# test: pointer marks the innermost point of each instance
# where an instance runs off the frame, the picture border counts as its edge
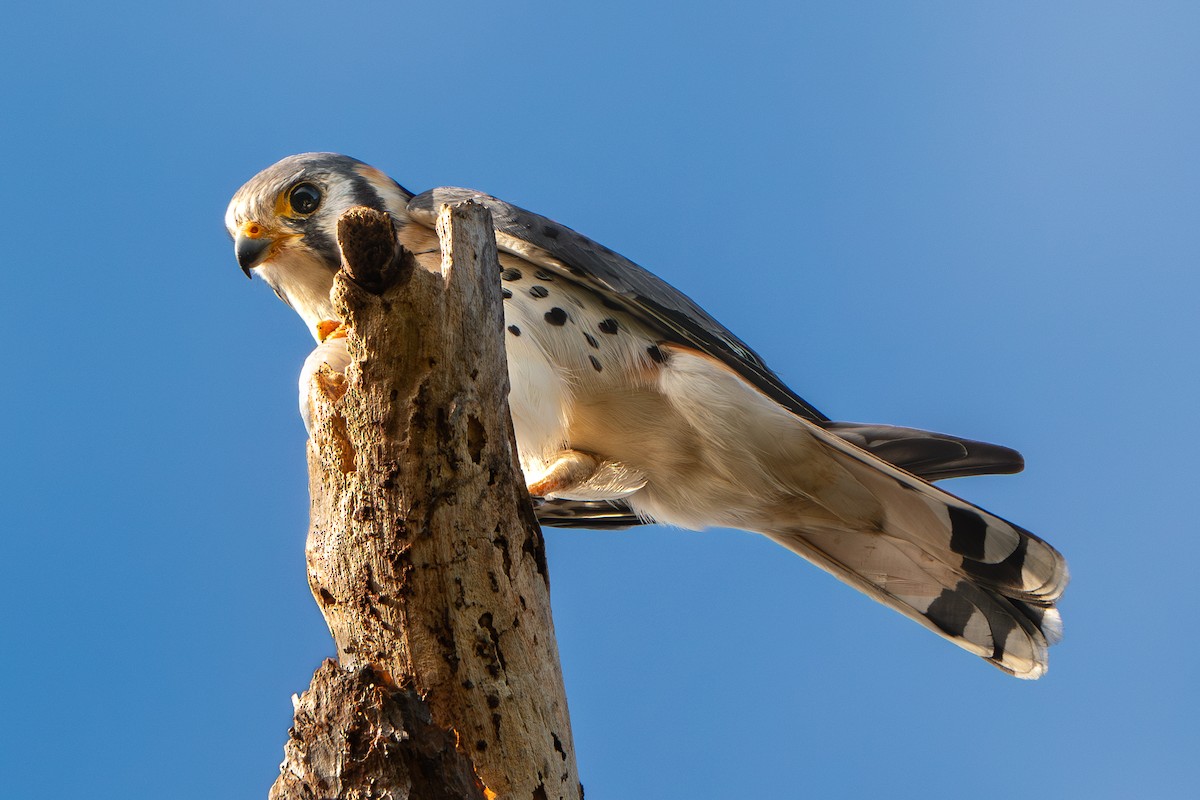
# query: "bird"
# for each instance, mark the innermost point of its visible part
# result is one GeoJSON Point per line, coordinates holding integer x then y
{"type": "Point", "coordinates": [631, 404]}
{"type": "Point", "coordinates": [331, 351]}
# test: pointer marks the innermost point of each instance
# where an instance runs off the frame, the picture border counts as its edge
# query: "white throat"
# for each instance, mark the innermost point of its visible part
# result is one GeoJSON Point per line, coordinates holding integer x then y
{"type": "Point", "coordinates": [303, 282]}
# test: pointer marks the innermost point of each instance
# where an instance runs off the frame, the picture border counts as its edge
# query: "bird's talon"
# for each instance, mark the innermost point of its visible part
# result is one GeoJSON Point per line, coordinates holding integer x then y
{"type": "Point", "coordinates": [569, 470]}
{"type": "Point", "coordinates": [330, 329]}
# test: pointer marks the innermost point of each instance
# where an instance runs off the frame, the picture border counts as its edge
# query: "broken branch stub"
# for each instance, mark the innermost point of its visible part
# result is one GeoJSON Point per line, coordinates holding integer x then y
{"type": "Point", "coordinates": [371, 255]}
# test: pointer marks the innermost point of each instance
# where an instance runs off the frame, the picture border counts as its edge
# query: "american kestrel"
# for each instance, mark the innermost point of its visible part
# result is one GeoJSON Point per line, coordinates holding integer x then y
{"type": "Point", "coordinates": [631, 404]}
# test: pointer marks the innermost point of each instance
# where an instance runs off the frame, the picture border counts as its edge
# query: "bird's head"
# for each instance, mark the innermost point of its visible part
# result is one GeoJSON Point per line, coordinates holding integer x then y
{"type": "Point", "coordinates": [284, 223]}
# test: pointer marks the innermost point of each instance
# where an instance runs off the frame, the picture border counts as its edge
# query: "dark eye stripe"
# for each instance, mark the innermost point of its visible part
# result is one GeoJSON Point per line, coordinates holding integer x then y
{"type": "Point", "coordinates": [364, 194]}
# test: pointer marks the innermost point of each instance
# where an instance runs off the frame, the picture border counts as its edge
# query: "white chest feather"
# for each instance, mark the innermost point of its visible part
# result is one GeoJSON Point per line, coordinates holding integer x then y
{"type": "Point", "coordinates": [562, 346]}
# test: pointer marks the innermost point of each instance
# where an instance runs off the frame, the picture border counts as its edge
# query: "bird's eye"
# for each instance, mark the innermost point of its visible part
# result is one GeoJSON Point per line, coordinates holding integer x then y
{"type": "Point", "coordinates": [304, 198]}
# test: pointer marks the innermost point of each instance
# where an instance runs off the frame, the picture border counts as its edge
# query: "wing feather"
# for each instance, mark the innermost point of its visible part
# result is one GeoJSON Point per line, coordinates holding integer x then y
{"type": "Point", "coordinates": [618, 281]}
{"type": "Point", "coordinates": [902, 576]}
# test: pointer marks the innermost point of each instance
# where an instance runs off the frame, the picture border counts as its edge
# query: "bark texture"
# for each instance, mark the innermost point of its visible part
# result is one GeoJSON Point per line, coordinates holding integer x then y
{"type": "Point", "coordinates": [357, 739]}
{"type": "Point", "coordinates": [423, 551]}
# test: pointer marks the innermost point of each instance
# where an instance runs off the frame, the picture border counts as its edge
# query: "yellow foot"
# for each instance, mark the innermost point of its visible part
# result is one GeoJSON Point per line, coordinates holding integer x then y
{"type": "Point", "coordinates": [569, 470]}
{"type": "Point", "coordinates": [580, 476]}
{"type": "Point", "coordinates": [330, 329]}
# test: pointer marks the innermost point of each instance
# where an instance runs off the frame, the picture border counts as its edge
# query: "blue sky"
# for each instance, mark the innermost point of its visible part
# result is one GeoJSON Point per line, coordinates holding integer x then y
{"type": "Point", "coordinates": [967, 218]}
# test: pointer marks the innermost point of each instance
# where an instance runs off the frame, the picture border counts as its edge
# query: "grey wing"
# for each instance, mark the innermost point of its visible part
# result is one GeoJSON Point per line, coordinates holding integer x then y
{"type": "Point", "coordinates": [929, 455]}
{"type": "Point", "coordinates": [624, 285]}
{"type": "Point", "coordinates": [620, 283]}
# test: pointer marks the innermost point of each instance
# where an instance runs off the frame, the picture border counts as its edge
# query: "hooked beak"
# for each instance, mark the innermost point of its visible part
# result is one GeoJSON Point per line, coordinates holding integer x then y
{"type": "Point", "coordinates": [251, 245]}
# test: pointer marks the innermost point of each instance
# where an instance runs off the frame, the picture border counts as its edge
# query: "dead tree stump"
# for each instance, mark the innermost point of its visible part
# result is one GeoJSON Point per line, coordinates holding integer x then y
{"type": "Point", "coordinates": [423, 551]}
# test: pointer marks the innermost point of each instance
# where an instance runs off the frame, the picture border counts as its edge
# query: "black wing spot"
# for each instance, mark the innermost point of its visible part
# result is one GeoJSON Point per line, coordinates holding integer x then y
{"type": "Point", "coordinates": [511, 274]}
{"type": "Point", "coordinates": [608, 302]}
{"type": "Point", "coordinates": [1001, 626]}
{"type": "Point", "coordinates": [968, 533]}
{"type": "Point", "coordinates": [506, 293]}
{"type": "Point", "coordinates": [596, 363]}
{"type": "Point", "coordinates": [514, 330]}
{"type": "Point", "coordinates": [1005, 573]}
{"type": "Point", "coordinates": [591, 340]}
{"type": "Point", "coordinates": [656, 354]}
{"type": "Point", "coordinates": [556, 316]}
{"type": "Point", "coordinates": [539, 291]}
{"type": "Point", "coordinates": [951, 612]}
{"type": "Point", "coordinates": [609, 326]}
{"type": "Point", "coordinates": [542, 275]}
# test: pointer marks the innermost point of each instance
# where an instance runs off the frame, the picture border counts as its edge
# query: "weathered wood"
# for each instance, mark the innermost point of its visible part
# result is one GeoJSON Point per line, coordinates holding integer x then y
{"type": "Point", "coordinates": [423, 551]}
{"type": "Point", "coordinates": [357, 739]}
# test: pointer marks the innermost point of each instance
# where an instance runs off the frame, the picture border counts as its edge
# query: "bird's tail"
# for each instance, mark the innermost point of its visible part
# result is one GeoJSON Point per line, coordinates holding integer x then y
{"type": "Point", "coordinates": [984, 583]}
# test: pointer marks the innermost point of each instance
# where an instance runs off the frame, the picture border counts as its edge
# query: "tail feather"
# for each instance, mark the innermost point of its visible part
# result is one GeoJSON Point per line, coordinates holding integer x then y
{"type": "Point", "coordinates": [971, 577]}
{"type": "Point", "coordinates": [989, 550]}
{"type": "Point", "coordinates": [1011, 634]}
{"type": "Point", "coordinates": [979, 581]}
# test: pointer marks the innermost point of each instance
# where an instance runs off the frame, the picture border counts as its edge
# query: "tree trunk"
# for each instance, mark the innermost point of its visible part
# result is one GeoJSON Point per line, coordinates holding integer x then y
{"type": "Point", "coordinates": [423, 551]}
